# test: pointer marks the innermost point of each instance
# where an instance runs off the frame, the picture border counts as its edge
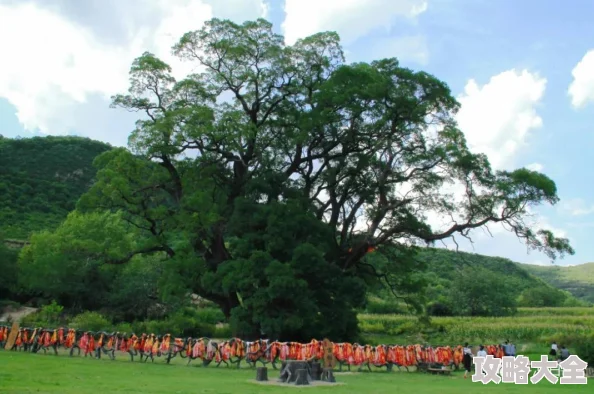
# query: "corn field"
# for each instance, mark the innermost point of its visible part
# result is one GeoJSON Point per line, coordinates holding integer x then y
{"type": "Point", "coordinates": [529, 325]}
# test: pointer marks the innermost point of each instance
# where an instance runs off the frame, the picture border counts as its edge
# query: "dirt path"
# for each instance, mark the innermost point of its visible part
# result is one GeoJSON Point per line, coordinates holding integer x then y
{"type": "Point", "coordinates": [17, 314]}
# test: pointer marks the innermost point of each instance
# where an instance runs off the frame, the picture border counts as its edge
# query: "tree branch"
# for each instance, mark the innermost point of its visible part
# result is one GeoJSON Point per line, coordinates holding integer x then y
{"type": "Point", "coordinates": [148, 250]}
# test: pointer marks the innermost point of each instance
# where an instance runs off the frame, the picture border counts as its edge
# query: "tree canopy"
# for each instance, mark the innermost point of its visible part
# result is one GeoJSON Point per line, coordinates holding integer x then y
{"type": "Point", "coordinates": [282, 182]}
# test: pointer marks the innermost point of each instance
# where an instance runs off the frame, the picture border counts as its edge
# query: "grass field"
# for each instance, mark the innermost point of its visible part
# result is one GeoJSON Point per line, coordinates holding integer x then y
{"type": "Point", "coordinates": [38, 373]}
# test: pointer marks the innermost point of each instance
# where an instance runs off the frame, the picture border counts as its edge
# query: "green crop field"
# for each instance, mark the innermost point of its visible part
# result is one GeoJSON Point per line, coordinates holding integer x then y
{"type": "Point", "coordinates": [38, 373]}
{"type": "Point", "coordinates": [530, 326]}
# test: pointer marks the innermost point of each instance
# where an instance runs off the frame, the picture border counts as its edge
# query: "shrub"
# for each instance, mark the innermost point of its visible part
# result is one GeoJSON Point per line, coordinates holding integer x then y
{"type": "Point", "coordinates": [159, 327]}
{"type": "Point", "coordinates": [439, 309]}
{"type": "Point", "coordinates": [124, 328]}
{"type": "Point", "coordinates": [410, 327]}
{"type": "Point", "coordinates": [47, 316]}
{"type": "Point", "coordinates": [542, 296]}
{"type": "Point", "coordinates": [9, 305]}
{"type": "Point", "coordinates": [222, 332]}
{"type": "Point", "coordinates": [567, 339]}
{"type": "Point", "coordinates": [189, 326]}
{"type": "Point", "coordinates": [209, 315]}
{"type": "Point", "coordinates": [372, 327]}
{"type": "Point", "coordinates": [91, 321]}
{"type": "Point", "coordinates": [202, 330]}
{"type": "Point", "coordinates": [585, 349]}
{"type": "Point", "coordinates": [572, 302]}
{"type": "Point", "coordinates": [383, 307]}
{"type": "Point", "coordinates": [184, 323]}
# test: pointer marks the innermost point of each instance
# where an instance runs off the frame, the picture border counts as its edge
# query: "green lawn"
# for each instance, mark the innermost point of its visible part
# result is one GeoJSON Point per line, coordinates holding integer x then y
{"type": "Point", "coordinates": [38, 373]}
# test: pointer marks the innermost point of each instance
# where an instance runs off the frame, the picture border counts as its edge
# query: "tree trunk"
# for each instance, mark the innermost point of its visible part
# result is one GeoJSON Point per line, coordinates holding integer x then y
{"type": "Point", "coordinates": [225, 309]}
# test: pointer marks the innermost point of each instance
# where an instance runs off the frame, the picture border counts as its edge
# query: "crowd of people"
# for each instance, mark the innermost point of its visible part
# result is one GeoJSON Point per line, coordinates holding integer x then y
{"type": "Point", "coordinates": [509, 349]}
{"type": "Point", "coordinates": [563, 354]}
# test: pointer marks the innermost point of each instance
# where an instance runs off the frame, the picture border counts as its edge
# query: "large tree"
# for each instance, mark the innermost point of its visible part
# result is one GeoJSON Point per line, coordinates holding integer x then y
{"type": "Point", "coordinates": [269, 176]}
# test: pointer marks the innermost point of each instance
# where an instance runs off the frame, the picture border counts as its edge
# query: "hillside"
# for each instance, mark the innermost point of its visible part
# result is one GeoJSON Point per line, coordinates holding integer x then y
{"type": "Point", "coordinates": [41, 179]}
{"type": "Point", "coordinates": [460, 271]}
{"type": "Point", "coordinates": [578, 280]}
{"type": "Point", "coordinates": [457, 280]}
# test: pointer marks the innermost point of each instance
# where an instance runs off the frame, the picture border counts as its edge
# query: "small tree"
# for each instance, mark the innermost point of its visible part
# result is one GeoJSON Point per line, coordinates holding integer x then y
{"type": "Point", "coordinates": [480, 292]}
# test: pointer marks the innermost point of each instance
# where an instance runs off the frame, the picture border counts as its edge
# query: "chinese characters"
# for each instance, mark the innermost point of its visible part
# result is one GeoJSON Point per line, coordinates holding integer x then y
{"type": "Point", "coordinates": [510, 369]}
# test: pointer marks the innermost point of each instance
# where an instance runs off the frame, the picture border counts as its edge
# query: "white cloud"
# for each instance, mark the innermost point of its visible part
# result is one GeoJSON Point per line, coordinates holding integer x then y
{"type": "Point", "coordinates": [576, 207]}
{"type": "Point", "coordinates": [180, 19]}
{"type": "Point", "coordinates": [57, 65]}
{"type": "Point", "coordinates": [238, 10]}
{"type": "Point", "coordinates": [53, 66]}
{"type": "Point", "coordinates": [497, 117]}
{"type": "Point", "coordinates": [350, 18]}
{"type": "Point", "coordinates": [581, 89]}
{"type": "Point", "coordinates": [535, 167]}
{"type": "Point", "coordinates": [407, 48]}
{"type": "Point", "coordinates": [541, 222]}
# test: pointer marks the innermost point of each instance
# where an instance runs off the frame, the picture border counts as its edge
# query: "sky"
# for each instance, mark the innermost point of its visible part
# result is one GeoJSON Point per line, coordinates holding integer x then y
{"type": "Point", "coordinates": [523, 72]}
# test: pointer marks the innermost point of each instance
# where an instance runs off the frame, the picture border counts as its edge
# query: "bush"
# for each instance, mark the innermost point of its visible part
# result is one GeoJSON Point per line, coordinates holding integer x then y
{"type": "Point", "coordinates": [538, 297]}
{"type": "Point", "coordinates": [568, 339]}
{"type": "Point", "coordinates": [188, 322]}
{"type": "Point", "coordinates": [383, 307]}
{"type": "Point", "coordinates": [32, 320]}
{"type": "Point", "coordinates": [209, 315]}
{"type": "Point", "coordinates": [189, 326]}
{"type": "Point", "coordinates": [409, 327]}
{"type": "Point", "coordinates": [572, 302]}
{"type": "Point", "coordinates": [223, 332]}
{"type": "Point", "coordinates": [439, 309]}
{"type": "Point", "coordinates": [157, 327]}
{"type": "Point", "coordinates": [585, 349]}
{"type": "Point", "coordinates": [124, 328]}
{"type": "Point", "coordinates": [372, 327]}
{"type": "Point", "coordinates": [91, 321]}
{"type": "Point", "coordinates": [9, 305]}
{"type": "Point", "coordinates": [48, 316]}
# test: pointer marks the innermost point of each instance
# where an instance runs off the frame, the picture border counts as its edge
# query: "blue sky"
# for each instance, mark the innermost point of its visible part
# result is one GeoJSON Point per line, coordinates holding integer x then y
{"type": "Point", "coordinates": [509, 62]}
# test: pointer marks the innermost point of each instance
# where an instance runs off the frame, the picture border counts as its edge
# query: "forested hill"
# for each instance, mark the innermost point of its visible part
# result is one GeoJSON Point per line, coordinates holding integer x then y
{"type": "Point", "coordinates": [41, 179]}
{"type": "Point", "coordinates": [578, 279]}
{"type": "Point", "coordinates": [459, 280]}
